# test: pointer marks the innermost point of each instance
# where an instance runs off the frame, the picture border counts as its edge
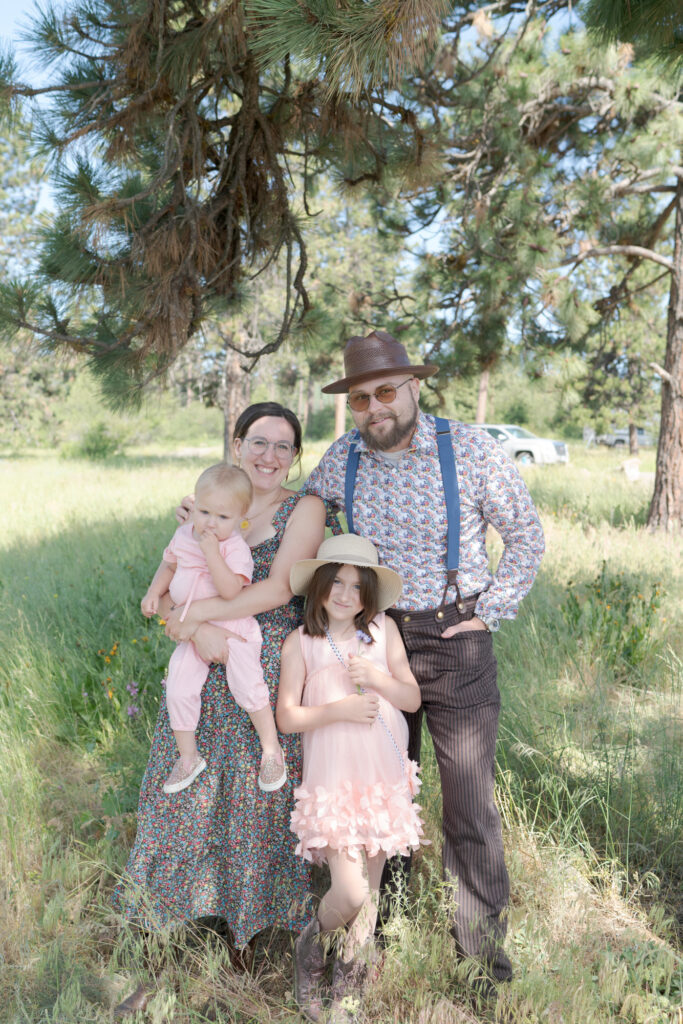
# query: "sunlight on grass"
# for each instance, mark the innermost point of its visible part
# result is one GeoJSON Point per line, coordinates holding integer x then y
{"type": "Point", "coordinates": [590, 783]}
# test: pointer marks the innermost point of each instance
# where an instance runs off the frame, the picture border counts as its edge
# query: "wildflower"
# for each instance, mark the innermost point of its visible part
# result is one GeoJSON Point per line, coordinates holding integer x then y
{"type": "Point", "coordinates": [145, 639]}
{"type": "Point", "coordinates": [133, 641]}
{"type": "Point", "coordinates": [108, 679]}
{"type": "Point", "coordinates": [84, 694]}
{"type": "Point", "coordinates": [110, 693]}
{"type": "Point", "coordinates": [107, 659]}
{"type": "Point", "coordinates": [162, 622]}
{"type": "Point", "coordinates": [363, 637]}
{"type": "Point", "coordinates": [132, 710]}
{"type": "Point", "coordinates": [132, 688]}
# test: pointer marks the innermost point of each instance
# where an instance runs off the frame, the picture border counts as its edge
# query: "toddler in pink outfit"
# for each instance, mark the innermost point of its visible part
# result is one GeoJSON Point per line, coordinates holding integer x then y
{"type": "Point", "coordinates": [207, 557]}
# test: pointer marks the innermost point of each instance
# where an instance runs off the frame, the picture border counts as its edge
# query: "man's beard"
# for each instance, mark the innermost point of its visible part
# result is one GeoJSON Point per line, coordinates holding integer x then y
{"type": "Point", "coordinates": [399, 432]}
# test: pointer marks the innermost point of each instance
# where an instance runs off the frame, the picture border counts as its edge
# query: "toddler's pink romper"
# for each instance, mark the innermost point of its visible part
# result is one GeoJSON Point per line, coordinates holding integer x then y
{"type": "Point", "coordinates": [358, 784]}
{"type": "Point", "coordinates": [187, 672]}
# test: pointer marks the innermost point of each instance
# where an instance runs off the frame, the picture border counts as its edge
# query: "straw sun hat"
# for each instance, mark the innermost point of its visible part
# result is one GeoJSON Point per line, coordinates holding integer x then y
{"type": "Point", "coordinates": [348, 549]}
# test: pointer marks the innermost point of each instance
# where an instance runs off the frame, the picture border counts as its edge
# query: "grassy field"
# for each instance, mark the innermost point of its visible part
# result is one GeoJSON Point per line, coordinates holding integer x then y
{"type": "Point", "coordinates": [590, 781]}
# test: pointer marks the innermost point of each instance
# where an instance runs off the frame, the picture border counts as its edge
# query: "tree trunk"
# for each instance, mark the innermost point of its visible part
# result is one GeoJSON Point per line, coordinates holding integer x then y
{"type": "Point", "coordinates": [482, 397]}
{"type": "Point", "coordinates": [339, 415]}
{"type": "Point", "coordinates": [300, 399]}
{"type": "Point", "coordinates": [666, 510]}
{"type": "Point", "coordinates": [233, 396]}
{"type": "Point", "coordinates": [308, 408]}
{"type": "Point", "coordinates": [633, 438]}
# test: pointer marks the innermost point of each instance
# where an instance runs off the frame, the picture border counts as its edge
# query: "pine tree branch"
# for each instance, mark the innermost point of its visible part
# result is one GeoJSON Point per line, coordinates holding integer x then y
{"type": "Point", "coordinates": [668, 378]}
{"type": "Point", "coordinates": [637, 251]}
{"type": "Point", "coordinates": [640, 186]}
{"type": "Point", "coordinates": [640, 189]}
{"type": "Point", "coordinates": [29, 91]}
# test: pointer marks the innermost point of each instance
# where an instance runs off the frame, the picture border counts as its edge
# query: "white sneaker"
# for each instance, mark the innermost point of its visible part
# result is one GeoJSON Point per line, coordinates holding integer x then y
{"type": "Point", "coordinates": [273, 773]}
{"type": "Point", "coordinates": [183, 775]}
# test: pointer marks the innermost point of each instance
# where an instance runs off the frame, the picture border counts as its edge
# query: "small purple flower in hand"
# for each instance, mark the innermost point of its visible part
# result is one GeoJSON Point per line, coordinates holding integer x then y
{"type": "Point", "coordinates": [362, 638]}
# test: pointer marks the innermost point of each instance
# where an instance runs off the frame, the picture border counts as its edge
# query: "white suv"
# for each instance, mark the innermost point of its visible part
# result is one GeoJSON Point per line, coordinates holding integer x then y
{"type": "Point", "coordinates": [620, 437]}
{"type": "Point", "coordinates": [524, 446]}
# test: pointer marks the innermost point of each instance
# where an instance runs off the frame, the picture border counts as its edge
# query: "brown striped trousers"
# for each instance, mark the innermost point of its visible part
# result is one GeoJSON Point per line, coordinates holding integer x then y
{"type": "Point", "coordinates": [461, 702]}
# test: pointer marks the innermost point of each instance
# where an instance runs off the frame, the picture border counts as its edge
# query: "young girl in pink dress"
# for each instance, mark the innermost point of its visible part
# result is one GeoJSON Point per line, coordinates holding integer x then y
{"type": "Point", "coordinates": [345, 680]}
{"type": "Point", "coordinates": [207, 557]}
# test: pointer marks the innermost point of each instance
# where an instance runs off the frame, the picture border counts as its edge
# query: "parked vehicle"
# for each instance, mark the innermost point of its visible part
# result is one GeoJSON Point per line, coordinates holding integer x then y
{"type": "Point", "coordinates": [525, 447]}
{"type": "Point", "coordinates": [619, 438]}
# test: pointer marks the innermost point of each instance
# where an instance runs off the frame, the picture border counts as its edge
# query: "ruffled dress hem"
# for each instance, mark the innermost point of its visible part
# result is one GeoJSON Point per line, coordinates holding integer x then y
{"type": "Point", "coordinates": [378, 818]}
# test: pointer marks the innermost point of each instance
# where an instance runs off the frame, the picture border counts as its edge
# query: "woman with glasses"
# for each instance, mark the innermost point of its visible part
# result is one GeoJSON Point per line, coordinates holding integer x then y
{"type": "Point", "coordinates": [222, 848]}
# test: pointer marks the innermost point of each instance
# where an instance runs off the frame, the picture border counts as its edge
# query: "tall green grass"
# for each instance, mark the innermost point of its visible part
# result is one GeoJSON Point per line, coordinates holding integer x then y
{"type": "Point", "coordinates": [590, 780]}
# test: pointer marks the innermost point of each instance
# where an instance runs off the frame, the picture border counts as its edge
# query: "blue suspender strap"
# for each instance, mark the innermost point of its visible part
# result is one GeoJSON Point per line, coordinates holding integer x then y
{"type": "Point", "coordinates": [450, 485]}
{"type": "Point", "coordinates": [449, 476]}
{"type": "Point", "coordinates": [350, 479]}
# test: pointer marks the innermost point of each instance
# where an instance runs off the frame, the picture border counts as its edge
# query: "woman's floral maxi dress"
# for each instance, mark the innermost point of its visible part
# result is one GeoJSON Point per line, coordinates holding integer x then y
{"type": "Point", "coordinates": [222, 848]}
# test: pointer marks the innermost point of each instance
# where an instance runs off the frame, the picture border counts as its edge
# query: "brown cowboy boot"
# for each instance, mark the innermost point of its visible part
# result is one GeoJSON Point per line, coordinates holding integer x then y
{"type": "Point", "coordinates": [309, 968]}
{"type": "Point", "coordinates": [135, 1001]}
{"type": "Point", "coordinates": [349, 980]}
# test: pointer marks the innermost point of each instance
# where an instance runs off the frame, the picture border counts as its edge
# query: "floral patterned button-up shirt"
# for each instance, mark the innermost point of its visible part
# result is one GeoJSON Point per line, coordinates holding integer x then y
{"type": "Point", "coordinates": [400, 506]}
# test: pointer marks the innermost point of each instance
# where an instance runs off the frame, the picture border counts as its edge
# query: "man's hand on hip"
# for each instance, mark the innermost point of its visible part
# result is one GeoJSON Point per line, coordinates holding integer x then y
{"type": "Point", "coordinates": [461, 627]}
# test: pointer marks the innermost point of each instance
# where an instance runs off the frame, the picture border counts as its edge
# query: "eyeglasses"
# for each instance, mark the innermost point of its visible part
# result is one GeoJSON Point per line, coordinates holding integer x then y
{"type": "Point", "coordinates": [283, 450]}
{"type": "Point", "coordinates": [359, 401]}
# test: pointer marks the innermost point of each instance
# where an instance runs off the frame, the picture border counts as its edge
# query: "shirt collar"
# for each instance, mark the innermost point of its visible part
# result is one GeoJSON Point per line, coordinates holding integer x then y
{"type": "Point", "coordinates": [423, 441]}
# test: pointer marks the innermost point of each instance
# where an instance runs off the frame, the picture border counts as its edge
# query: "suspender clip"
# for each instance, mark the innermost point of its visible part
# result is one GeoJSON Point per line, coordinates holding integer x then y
{"type": "Point", "coordinates": [452, 581]}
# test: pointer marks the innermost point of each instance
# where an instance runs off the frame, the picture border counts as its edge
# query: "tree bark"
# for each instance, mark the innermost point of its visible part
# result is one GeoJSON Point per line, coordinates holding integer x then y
{"type": "Point", "coordinates": [633, 438]}
{"type": "Point", "coordinates": [300, 398]}
{"type": "Point", "coordinates": [233, 397]}
{"type": "Point", "coordinates": [666, 509]}
{"type": "Point", "coordinates": [308, 408]}
{"type": "Point", "coordinates": [482, 397]}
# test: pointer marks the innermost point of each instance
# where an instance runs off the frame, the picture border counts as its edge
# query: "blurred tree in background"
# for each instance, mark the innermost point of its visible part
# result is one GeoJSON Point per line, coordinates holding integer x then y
{"type": "Point", "coordinates": [522, 178]}
{"type": "Point", "coordinates": [655, 27]}
{"type": "Point", "coordinates": [28, 383]}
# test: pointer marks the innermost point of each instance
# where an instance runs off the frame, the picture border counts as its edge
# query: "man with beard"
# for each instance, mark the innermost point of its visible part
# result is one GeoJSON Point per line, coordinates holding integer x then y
{"type": "Point", "coordinates": [424, 491]}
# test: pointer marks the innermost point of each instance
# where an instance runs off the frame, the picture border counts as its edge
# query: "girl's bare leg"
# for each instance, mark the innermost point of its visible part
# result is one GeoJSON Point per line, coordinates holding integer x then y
{"type": "Point", "coordinates": [362, 928]}
{"type": "Point", "coordinates": [352, 898]}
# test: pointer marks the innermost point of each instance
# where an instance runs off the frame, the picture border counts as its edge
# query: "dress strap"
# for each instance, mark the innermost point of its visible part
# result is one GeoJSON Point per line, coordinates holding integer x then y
{"type": "Point", "coordinates": [283, 512]}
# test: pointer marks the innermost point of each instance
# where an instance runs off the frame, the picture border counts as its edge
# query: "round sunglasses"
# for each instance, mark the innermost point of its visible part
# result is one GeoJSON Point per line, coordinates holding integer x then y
{"type": "Point", "coordinates": [359, 401]}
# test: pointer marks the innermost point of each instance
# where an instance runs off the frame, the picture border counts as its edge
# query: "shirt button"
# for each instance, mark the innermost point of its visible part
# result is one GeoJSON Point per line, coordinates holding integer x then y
{"type": "Point", "coordinates": [406, 618]}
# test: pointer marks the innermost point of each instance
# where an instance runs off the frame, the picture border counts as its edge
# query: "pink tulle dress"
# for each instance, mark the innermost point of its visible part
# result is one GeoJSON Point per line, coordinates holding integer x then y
{"type": "Point", "coordinates": [358, 784]}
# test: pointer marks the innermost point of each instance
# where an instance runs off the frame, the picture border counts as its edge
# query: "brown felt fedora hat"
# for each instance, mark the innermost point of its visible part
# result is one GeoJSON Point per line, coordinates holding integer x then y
{"type": "Point", "coordinates": [379, 353]}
